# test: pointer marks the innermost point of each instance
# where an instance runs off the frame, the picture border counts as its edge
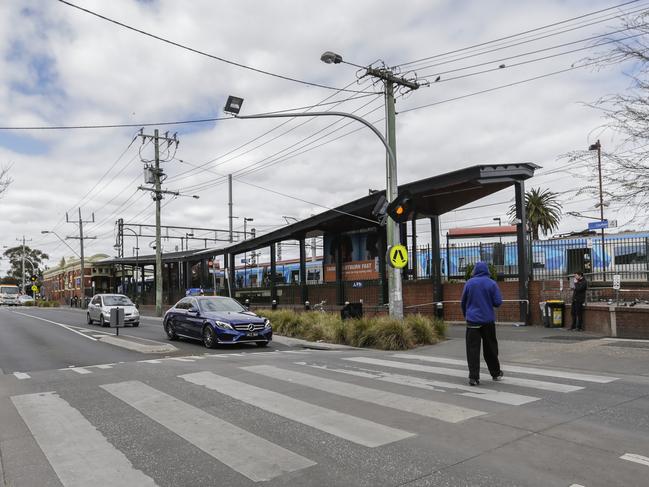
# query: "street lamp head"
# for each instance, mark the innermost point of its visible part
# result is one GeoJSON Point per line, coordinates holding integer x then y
{"type": "Point", "coordinates": [45, 231]}
{"type": "Point", "coordinates": [329, 57]}
{"type": "Point", "coordinates": [233, 105]}
{"type": "Point", "coordinates": [195, 196]}
{"type": "Point", "coordinates": [595, 146]}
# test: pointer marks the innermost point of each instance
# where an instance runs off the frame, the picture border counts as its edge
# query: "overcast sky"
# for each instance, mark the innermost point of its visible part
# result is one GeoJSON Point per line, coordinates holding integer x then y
{"type": "Point", "coordinates": [62, 66]}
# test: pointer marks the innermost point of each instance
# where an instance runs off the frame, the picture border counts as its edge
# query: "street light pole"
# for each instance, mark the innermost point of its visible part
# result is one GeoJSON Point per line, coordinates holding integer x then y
{"type": "Point", "coordinates": [598, 147]}
{"type": "Point", "coordinates": [394, 280]}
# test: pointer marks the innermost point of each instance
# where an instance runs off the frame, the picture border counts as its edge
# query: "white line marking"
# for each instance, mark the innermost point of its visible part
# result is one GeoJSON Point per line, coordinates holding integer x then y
{"type": "Point", "coordinates": [434, 385]}
{"type": "Point", "coordinates": [152, 361]}
{"type": "Point", "coordinates": [79, 370]}
{"type": "Point", "coordinates": [423, 407]}
{"type": "Point", "coordinates": [79, 454]}
{"type": "Point", "coordinates": [576, 485]}
{"type": "Point", "coordinates": [534, 384]}
{"type": "Point", "coordinates": [103, 366]}
{"type": "Point", "coordinates": [22, 375]}
{"type": "Point", "coordinates": [99, 336]}
{"type": "Point", "coordinates": [351, 428]}
{"type": "Point", "coordinates": [180, 359]}
{"type": "Point", "coordinates": [632, 457]}
{"type": "Point", "coordinates": [559, 374]}
{"type": "Point", "coordinates": [59, 324]}
{"type": "Point", "coordinates": [248, 454]}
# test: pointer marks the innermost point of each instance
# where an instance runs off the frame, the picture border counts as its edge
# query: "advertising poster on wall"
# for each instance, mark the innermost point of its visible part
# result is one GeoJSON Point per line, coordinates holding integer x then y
{"type": "Point", "coordinates": [360, 252]}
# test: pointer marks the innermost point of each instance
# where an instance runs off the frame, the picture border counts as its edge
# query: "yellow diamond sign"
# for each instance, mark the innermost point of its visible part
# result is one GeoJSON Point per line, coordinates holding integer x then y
{"type": "Point", "coordinates": [398, 256]}
{"type": "Point", "coordinates": [35, 288]}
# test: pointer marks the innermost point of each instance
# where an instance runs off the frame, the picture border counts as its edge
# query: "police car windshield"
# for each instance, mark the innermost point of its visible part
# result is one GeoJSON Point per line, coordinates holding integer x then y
{"type": "Point", "coordinates": [220, 304]}
{"type": "Point", "coordinates": [117, 301]}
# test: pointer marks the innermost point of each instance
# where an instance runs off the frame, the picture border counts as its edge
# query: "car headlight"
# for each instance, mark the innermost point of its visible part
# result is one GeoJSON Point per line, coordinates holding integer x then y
{"type": "Point", "coordinates": [221, 324]}
{"type": "Point", "coordinates": [266, 323]}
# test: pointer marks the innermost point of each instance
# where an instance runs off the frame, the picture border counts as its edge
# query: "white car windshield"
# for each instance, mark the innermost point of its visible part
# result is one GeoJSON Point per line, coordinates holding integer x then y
{"type": "Point", "coordinates": [117, 301]}
{"type": "Point", "coordinates": [8, 290]}
{"type": "Point", "coordinates": [220, 304]}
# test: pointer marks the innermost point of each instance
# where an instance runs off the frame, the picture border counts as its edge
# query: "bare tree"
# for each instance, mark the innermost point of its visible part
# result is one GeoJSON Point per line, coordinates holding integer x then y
{"type": "Point", "coordinates": [625, 168]}
{"type": "Point", "coordinates": [5, 180]}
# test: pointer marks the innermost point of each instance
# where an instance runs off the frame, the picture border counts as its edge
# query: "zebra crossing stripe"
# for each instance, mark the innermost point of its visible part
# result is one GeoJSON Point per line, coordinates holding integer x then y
{"type": "Point", "coordinates": [22, 375]}
{"type": "Point", "coordinates": [79, 370]}
{"type": "Point", "coordinates": [633, 457]}
{"type": "Point", "coordinates": [434, 385]}
{"type": "Point", "coordinates": [558, 374]}
{"type": "Point", "coordinates": [423, 407]}
{"type": "Point", "coordinates": [79, 454]}
{"type": "Point", "coordinates": [251, 456]}
{"type": "Point", "coordinates": [515, 381]}
{"type": "Point", "coordinates": [351, 428]}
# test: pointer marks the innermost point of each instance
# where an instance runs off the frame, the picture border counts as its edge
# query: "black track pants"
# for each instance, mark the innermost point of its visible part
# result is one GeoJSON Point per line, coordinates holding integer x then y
{"type": "Point", "coordinates": [577, 315]}
{"type": "Point", "coordinates": [487, 334]}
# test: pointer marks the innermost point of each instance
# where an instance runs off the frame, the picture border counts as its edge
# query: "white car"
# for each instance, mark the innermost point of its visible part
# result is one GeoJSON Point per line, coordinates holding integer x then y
{"type": "Point", "coordinates": [101, 304]}
{"type": "Point", "coordinates": [24, 299]}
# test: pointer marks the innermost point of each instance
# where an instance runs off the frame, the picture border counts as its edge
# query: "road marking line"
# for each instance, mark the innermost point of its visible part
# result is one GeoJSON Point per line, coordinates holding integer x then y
{"type": "Point", "coordinates": [534, 384]}
{"type": "Point", "coordinates": [79, 370]}
{"type": "Point", "coordinates": [250, 455]}
{"type": "Point", "coordinates": [351, 428]}
{"type": "Point", "coordinates": [632, 457]}
{"type": "Point", "coordinates": [180, 359]}
{"type": "Point", "coordinates": [152, 361]}
{"type": "Point", "coordinates": [69, 328]}
{"type": "Point", "coordinates": [559, 374]}
{"type": "Point", "coordinates": [99, 336]}
{"type": "Point", "coordinates": [22, 375]}
{"type": "Point", "coordinates": [576, 485]}
{"type": "Point", "coordinates": [434, 385]}
{"type": "Point", "coordinates": [423, 407]}
{"type": "Point", "coordinates": [79, 454]}
{"type": "Point", "coordinates": [103, 366]}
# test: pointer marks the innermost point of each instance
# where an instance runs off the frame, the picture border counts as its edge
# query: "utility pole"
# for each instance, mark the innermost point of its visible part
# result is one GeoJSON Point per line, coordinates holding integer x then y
{"type": "Point", "coordinates": [153, 174]}
{"type": "Point", "coordinates": [23, 261]}
{"type": "Point", "coordinates": [81, 238]}
{"type": "Point", "coordinates": [395, 291]}
{"type": "Point", "coordinates": [230, 217]}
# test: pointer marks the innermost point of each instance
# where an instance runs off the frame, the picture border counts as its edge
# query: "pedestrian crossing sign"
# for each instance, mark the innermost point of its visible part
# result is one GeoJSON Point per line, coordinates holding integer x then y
{"type": "Point", "coordinates": [35, 288]}
{"type": "Point", "coordinates": [398, 256]}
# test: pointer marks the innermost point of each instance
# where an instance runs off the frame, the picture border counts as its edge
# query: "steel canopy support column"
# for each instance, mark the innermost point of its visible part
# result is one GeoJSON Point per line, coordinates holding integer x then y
{"type": "Point", "coordinates": [273, 267]}
{"type": "Point", "coordinates": [340, 289]}
{"type": "Point", "coordinates": [403, 239]}
{"type": "Point", "coordinates": [383, 275]}
{"type": "Point", "coordinates": [413, 238]}
{"type": "Point", "coordinates": [232, 274]}
{"type": "Point", "coordinates": [303, 284]}
{"type": "Point", "coordinates": [521, 242]}
{"type": "Point", "coordinates": [436, 260]}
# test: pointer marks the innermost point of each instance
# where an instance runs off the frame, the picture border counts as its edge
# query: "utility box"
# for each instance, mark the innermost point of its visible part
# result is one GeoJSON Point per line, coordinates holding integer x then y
{"type": "Point", "coordinates": [117, 317]}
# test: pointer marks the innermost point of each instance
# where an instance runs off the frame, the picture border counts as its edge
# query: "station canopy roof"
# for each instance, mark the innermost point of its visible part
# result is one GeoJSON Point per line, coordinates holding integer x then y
{"type": "Point", "coordinates": [431, 196]}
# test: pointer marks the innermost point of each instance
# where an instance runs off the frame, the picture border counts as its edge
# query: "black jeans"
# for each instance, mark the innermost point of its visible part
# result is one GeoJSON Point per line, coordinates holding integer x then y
{"type": "Point", "coordinates": [577, 315]}
{"type": "Point", "coordinates": [487, 334]}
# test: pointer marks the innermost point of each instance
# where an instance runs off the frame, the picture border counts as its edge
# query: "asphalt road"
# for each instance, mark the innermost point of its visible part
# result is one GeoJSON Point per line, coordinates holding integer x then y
{"type": "Point", "coordinates": [572, 411]}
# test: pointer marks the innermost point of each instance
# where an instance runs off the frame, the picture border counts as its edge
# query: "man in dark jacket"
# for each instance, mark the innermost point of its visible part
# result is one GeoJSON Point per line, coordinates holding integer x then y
{"type": "Point", "coordinates": [578, 301]}
{"type": "Point", "coordinates": [479, 297]}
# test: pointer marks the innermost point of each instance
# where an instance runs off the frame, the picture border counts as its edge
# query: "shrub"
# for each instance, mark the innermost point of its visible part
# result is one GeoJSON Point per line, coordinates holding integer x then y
{"type": "Point", "coordinates": [422, 329]}
{"type": "Point", "coordinates": [440, 327]}
{"type": "Point", "coordinates": [29, 303]}
{"type": "Point", "coordinates": [379, 332]}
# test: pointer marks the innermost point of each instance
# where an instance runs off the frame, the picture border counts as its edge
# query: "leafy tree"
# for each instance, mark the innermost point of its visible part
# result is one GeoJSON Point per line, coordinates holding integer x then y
{"type": "Point", "coordinates": [33, 262]}
{"type": "Point", "coordinates": [543, 211]}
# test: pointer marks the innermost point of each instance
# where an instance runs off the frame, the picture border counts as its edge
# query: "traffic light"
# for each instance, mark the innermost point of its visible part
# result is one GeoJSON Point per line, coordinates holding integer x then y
{"type": "Point", "coordinates": [401, 208]}
{"type": "Point", "coordinates": [34, 278]}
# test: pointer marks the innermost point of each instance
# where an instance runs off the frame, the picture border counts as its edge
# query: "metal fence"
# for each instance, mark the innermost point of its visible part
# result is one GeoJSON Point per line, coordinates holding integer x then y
{"type": "Point", "coordinates": [547, 259]}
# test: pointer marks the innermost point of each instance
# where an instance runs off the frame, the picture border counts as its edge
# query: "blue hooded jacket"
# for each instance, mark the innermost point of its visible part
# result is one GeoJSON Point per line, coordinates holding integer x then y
{"type": "Point", "coordinates": [479, 297]}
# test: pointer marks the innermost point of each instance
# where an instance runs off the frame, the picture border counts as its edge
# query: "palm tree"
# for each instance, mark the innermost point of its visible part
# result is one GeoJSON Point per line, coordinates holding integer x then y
{"type": "Point", "coordinates": [542, 209]}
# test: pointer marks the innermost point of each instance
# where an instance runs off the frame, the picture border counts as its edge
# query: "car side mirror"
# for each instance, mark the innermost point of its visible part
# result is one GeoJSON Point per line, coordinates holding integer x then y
{"type": "Point", "coordinates": [193, 311]}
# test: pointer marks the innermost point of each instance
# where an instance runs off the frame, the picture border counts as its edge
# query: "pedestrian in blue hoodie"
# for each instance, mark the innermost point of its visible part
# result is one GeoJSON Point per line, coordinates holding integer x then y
{"type": "Point", "coordinates": [479, 297]}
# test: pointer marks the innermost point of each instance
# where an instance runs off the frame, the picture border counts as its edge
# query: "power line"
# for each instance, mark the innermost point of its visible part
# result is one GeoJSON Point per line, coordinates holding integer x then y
{"type": "Point", "coordinates": [203, 53]}
{"type": "Point", "coordinates": [495, 88]}
{"type": "Point", "coordinates": [536, 29]}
